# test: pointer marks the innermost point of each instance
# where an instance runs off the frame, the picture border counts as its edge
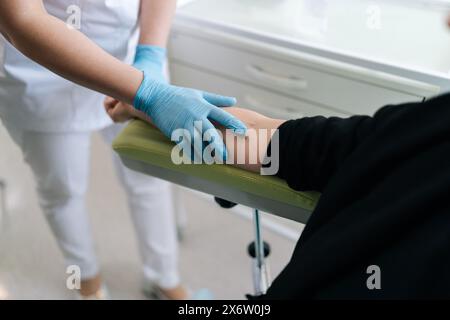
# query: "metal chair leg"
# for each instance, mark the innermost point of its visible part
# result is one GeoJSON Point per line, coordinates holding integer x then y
{"type": "Point", "coordinates": [259, 250]}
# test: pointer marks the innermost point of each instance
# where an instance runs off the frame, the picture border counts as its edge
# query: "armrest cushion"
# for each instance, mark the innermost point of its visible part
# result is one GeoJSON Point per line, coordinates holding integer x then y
{"type": "Point", "coordinates": [142, 142]}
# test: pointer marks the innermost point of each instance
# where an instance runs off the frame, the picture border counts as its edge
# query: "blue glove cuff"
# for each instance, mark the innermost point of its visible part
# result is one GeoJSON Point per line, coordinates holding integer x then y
{"type": "Point", "coordinates": [142, 94]}
{"type": "Point", "coordinates": [149, 56]}
{"type": "Point", "coordinates": [143, 100]}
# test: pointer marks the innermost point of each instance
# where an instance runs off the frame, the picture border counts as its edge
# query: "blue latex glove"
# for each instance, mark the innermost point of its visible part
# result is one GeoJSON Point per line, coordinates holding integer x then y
{"type": "Point", "coordinates": [151, 59]}
{"type": "Point", "coordinates": [172, 108]}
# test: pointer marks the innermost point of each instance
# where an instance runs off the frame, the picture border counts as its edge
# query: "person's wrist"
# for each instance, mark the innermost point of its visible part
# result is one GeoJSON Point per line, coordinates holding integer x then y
{"type": "Point", "coordinates": [275, 123]}
{"type": "Point", "coordinates": [146, 95]}
{"type": "Point", "coordinates": [150, 57]}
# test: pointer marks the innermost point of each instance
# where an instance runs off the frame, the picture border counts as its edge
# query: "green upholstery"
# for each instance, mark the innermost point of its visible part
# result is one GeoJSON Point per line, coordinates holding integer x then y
{"type": "Point", "coordinates": [142, 142]}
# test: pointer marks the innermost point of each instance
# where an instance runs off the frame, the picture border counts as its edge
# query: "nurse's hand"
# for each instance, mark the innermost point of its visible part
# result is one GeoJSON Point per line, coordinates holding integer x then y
{"type": "Point", "coordinates": [171, 108]}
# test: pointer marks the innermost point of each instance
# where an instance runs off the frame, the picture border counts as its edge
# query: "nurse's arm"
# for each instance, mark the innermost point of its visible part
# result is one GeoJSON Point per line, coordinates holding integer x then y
{"type": "Point", "coordinates": [66, 51]}
{"type": "Point", "coordinates": [155, 21]}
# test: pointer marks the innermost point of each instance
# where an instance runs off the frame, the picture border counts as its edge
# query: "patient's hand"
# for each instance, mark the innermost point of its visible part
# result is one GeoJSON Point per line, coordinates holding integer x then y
{"type": "Point", "coordinates": [122, 112]}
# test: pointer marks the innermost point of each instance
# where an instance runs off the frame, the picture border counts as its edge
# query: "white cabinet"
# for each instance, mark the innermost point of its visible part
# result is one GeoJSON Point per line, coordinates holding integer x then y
{"type": "Point", "coordinates": [279, 79]}
{"type": "Point", "coordinates": [256, 98]}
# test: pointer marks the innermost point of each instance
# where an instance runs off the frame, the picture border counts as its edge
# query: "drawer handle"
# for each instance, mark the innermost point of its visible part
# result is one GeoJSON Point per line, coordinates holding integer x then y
{"type": "Point", "coordinates": [259, 73]}
{"type": "Point", "coordinates": [256, 105]}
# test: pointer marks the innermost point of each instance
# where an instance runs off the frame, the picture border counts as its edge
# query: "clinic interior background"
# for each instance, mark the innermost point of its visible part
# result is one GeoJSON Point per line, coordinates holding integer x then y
{"type": "Point", "coordinates": [213, 248]}
{"type": "Point", "coordinates": [213, 252]}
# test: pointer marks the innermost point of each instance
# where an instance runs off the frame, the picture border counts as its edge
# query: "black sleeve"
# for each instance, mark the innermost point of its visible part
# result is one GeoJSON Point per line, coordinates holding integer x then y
{"type": "Point", "coordinates": [312, 149]}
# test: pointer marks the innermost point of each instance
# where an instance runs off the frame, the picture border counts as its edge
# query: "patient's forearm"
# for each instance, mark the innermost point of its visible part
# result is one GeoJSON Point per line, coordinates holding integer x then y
{"type": "Point", "coordinates": [263, 129]}
{"type": "Point", "coordinates": [254, 122]}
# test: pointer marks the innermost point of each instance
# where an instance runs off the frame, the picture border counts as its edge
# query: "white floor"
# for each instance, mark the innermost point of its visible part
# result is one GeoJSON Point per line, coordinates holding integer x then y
{"type": "Point", "coordinates": [213, 254]}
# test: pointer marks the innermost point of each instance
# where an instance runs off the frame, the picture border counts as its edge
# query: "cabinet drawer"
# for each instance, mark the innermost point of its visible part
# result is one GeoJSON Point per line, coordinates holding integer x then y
{"type": "Point", "coordinates": [266, 102]}
{"type": "Point", "coordinates": [293, 79]}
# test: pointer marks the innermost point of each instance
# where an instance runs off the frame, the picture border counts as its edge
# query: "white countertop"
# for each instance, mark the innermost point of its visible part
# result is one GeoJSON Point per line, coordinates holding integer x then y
{"type": "Point", "coordinates": [401, 34]}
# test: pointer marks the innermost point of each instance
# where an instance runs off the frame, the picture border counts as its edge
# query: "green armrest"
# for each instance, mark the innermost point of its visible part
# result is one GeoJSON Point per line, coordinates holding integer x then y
{"type": "Point", "coordinates": [142, 146]}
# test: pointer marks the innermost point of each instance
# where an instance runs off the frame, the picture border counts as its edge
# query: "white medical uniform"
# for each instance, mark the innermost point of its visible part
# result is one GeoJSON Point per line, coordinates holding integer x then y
{"type": "Point", "coordinates": [52, 119]}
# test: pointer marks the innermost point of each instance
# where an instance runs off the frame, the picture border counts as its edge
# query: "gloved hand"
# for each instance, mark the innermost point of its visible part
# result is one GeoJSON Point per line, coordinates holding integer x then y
{"type": "Point", "coordinates": [171, 108]}
{"type": "Point", "coordinates": [151, 59]}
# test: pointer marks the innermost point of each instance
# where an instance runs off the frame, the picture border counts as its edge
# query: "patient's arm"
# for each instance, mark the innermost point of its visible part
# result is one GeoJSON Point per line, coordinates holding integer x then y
{"type": "Point", "coordinates": [256, 123]}
{"type": "Point", "coordinates": [121, 112]}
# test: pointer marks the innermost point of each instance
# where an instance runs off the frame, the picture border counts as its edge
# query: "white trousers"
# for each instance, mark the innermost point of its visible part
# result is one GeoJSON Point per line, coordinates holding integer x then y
{"type": "Point", "coordinates": [60, 164]}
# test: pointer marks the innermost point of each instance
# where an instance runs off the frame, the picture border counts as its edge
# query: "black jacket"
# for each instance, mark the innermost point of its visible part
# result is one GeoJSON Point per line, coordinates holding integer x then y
{"type": "Point", "coordinates": [386, 202]}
